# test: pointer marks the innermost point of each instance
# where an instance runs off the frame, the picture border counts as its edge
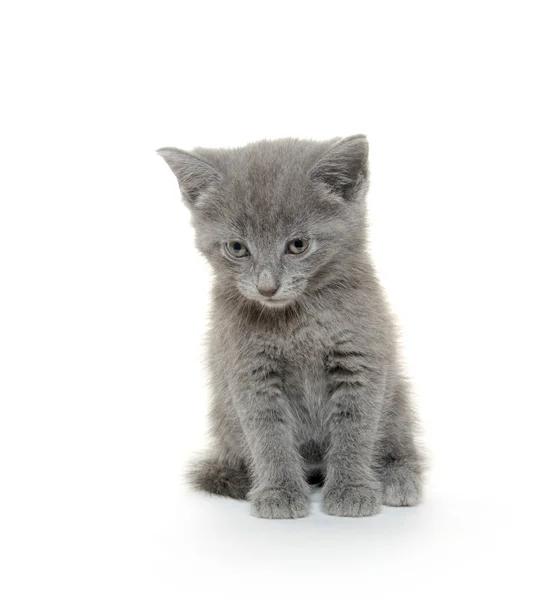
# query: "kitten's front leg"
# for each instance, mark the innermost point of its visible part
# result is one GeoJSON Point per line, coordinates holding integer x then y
{"type": "Point", "coordinates": [357, 389]}
{"type": "Point", "coordinates": [280, 490]}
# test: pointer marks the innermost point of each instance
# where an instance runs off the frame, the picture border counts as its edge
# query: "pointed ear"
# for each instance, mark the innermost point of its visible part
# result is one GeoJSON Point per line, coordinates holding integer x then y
{"type": "Point", "coordinates": [344, 167]}
{"type": "Point", "coordinates": [194, 174]}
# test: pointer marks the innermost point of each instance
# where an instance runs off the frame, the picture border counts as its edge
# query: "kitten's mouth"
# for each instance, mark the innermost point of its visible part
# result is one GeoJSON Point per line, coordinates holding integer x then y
{"type": "Point", "coordinates": [274, 301]}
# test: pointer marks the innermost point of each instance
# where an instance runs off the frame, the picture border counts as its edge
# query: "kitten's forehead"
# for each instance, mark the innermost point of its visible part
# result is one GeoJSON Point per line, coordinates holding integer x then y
{"type": "Point", "coordinates": [267, 186]}
{"type": "Point", "coordinates": [269, 156]}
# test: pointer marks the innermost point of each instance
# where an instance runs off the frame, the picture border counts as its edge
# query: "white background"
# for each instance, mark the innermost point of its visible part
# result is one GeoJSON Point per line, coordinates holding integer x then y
{"type": "Point", "coordinates": [104, 299]}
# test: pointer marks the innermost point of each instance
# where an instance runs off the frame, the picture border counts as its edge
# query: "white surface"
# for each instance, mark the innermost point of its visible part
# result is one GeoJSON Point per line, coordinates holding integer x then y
{"type": "Point", "coordinates": [103, 297]}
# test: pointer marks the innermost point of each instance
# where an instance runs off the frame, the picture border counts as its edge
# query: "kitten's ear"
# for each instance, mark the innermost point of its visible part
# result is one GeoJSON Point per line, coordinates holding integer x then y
{"type": "Point", "coordinates": [194, 174]}
{"type": "Point", "coordinates": [344, 167]}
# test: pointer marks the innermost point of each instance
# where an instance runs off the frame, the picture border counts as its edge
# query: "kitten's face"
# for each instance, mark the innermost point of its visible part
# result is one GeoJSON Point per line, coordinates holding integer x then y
{"type": "Point", "coordinates": [272, 218]}
{"type": "Point", "coordinates": [271, 257]}
{"type": "Point", "coordinates": [273, 270]}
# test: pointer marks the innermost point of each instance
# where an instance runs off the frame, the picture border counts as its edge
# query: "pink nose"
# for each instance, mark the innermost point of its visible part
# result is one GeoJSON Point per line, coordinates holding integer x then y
{"type": "Point", "coordinates": [268, 292]}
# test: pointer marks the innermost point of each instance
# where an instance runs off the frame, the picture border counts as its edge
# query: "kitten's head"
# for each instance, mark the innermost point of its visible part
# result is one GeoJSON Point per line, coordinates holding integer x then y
{"type": "Point", "coordinates": [276, 219]}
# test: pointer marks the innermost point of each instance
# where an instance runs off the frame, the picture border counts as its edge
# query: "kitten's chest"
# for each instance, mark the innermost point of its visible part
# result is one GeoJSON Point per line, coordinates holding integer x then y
{"type": "Point", "coordinates": [304, 373]}
{"type": "Point", "coordinates": [305, 388]}
{"type": "Point", "coordinates": [303, 348]}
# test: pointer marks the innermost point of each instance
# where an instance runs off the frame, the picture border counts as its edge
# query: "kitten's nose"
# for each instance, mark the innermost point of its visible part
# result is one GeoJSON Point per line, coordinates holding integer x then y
{"type": "Point", "coordinates": [267, 283]}
{"type": "Point", "coordinates": [268, 292]}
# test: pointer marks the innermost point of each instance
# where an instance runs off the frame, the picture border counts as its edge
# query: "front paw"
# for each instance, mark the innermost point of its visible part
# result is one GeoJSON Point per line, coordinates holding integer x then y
{"type": "Point", "coordinates": [352, 501]}
{"type": "Point", "coordinates": [279, 503]}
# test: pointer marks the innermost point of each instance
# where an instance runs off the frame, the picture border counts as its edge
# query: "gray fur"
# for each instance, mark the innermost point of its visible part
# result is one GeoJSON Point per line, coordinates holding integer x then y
{"type": "Point", "coordinates": [306, 383]}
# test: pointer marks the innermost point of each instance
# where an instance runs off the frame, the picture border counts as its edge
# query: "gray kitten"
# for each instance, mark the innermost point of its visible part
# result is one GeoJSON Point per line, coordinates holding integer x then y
{"type": "Point", "coordinates": [302, 351]}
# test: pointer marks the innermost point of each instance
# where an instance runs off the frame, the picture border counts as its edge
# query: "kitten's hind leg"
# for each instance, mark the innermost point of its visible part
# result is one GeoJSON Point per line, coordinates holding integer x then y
{"type": "Point", "coordinates": [211, 475]}
{"type": "Point", "coordinates": [401, 479]}
{"type": "Point", "coordinates": [400, 464]}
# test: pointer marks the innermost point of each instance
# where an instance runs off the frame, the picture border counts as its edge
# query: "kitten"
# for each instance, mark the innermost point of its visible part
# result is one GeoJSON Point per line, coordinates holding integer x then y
{"type": "Point", "coordinates": [302, 353]}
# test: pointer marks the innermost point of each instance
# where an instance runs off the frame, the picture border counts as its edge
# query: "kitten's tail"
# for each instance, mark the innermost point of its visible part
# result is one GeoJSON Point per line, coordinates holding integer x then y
{"type": "Point", "coordinates": [211, 475]}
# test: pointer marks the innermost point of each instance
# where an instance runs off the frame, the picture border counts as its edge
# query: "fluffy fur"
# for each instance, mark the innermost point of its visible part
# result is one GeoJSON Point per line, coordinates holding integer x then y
{"type": "Point", "coordinates": [306, 383]}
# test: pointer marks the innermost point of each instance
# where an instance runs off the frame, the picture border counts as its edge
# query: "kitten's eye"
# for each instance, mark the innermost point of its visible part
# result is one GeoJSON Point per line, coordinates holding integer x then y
{"type": "Point", "coordinates": [297, 246]}
{"type": "Point", "coordinates": [237, 249]}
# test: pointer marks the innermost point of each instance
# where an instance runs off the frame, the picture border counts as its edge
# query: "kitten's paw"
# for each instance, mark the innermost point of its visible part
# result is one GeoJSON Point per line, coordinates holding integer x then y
{"type": "Point", "coordinates": [278, 503]}
{"type": "Point", "coordinates": [352, 501]}
{"type": "Point", "coordinates": [402, 483]}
